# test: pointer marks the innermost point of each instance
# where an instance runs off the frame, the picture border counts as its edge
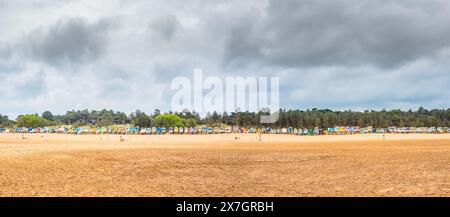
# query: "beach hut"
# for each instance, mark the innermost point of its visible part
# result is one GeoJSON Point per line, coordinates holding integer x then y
{"type": "Point", "coordinates": [171, 130]}
{"type": "Point", "coordinates": [78, 130]}
{"type": "Point", "coordinates": [176, 130]}
{"type": "Point", "coordinates": [330, 130]}
{"type": "Point", "coordinates": [263, 130]}
{"type": "Point", "coordinates": [2, 130]}
{"type": "Point", "coordinates": [181, 130]}
{"type": "Point", "coordinates": [445, 130]}
{"type": "Point", "coordinates": [290, 130]}
{"type": "Point", "coordinates": [196, 130]}
{"type": "Point", "coordinates": [364, 130]}
{"type": "Point", "coordinates": [216, 130]}
{"type": "Point", "coordinates": [351, 130]}
{"type": "Point", "coordinates": [143, 131]}
{"type": "Point", "coordinates": [60, 130]}
{"type": "Point", "coordinates": [153, 131]}
{"type": "Point", "coordinates": [209, 130]}
{"type": "Point", "coordinates": [284, 130]}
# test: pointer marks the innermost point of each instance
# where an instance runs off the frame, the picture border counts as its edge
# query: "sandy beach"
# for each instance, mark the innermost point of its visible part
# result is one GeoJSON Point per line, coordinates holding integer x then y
{"type": "Point", "coordinates": [219, 165]}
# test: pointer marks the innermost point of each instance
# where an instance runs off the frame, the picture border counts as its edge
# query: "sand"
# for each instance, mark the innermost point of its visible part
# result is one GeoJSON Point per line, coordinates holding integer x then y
{"type": "Point", "coordinates": [218, 165]}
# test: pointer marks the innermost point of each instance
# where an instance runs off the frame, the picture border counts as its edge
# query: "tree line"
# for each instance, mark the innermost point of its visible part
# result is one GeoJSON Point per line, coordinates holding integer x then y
{"type": "Point", "coordinates": [322, 118]}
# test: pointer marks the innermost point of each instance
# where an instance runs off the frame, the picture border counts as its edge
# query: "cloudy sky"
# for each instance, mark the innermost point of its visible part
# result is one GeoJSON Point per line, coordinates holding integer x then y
{"type": "Point", "coordinates": [123, 55]}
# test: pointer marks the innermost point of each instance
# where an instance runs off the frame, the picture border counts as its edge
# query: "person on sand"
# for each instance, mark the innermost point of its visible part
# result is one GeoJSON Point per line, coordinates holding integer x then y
{"type": "Point", "coordinates": [121, 139]}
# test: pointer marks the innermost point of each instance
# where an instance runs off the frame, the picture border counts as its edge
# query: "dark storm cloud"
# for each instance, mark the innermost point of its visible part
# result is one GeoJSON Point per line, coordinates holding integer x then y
{"type": "Point", "coordinates": [337, 54]}
{"type": "Point", "coordinates": [310, 33]}
{"type": "Point", "coordinates": [68, 41]}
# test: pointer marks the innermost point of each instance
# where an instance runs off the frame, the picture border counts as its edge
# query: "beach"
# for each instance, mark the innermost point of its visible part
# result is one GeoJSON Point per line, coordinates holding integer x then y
{"type": "Point", "coordinates": [221, 165]}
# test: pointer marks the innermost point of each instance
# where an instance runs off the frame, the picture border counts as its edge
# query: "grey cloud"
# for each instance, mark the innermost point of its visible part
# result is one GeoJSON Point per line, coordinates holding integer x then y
{"type": "Point", "coordinates": [68, 41]}
{"type": "Point", "coordinates": [165, 26]}
{"type": "Point", "coordinates": [5, 52]}
{"type": "Point", "coordinates": [311, 33]}
{"type": "Point", "coordinates": [329, 54]}
{"type": "Point", "coordinates": [165, 73]}
{"type": "Point", "coordinates": [27, 87]}
{"type": "Point", "coordinates": [366, 88]}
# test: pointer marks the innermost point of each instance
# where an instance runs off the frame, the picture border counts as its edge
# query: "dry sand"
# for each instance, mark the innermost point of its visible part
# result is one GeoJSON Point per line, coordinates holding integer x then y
{"type": "Point", "coordinates": [217, 165]}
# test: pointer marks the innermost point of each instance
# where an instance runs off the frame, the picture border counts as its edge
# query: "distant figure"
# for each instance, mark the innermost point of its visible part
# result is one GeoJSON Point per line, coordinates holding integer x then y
{"type": "Point", "coordinates": [383, 137]}
{"type": "Point", "coordinates": [23, 137]}
{"type": "Point", "coordinates": [259, 137]}
{"type": "Point", "coordinates": [121, 139]}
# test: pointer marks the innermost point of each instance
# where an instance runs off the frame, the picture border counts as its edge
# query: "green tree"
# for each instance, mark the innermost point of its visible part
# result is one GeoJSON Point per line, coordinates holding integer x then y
{"type": "Point", "coordinates": [31, 120]}
{"type": "Point", "coordinates": [140, 119]}
{"type": "Point", "coordinates": [4, 120]}
{"type": "Point", "coordinates": [48, 116]}
{"type": "Point", "coordinates": [190, 122]}
{"type": "Point", "coordinates": [169, 120]}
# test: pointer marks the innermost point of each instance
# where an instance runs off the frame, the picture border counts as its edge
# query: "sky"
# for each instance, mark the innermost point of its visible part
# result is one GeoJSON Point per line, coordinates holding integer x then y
{"type": "Point", "coordinates": [123, 55]}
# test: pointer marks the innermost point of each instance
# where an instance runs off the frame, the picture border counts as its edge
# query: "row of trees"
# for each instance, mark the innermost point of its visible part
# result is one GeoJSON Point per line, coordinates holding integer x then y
{"type": "Point", "coordinates": [296, 118]}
